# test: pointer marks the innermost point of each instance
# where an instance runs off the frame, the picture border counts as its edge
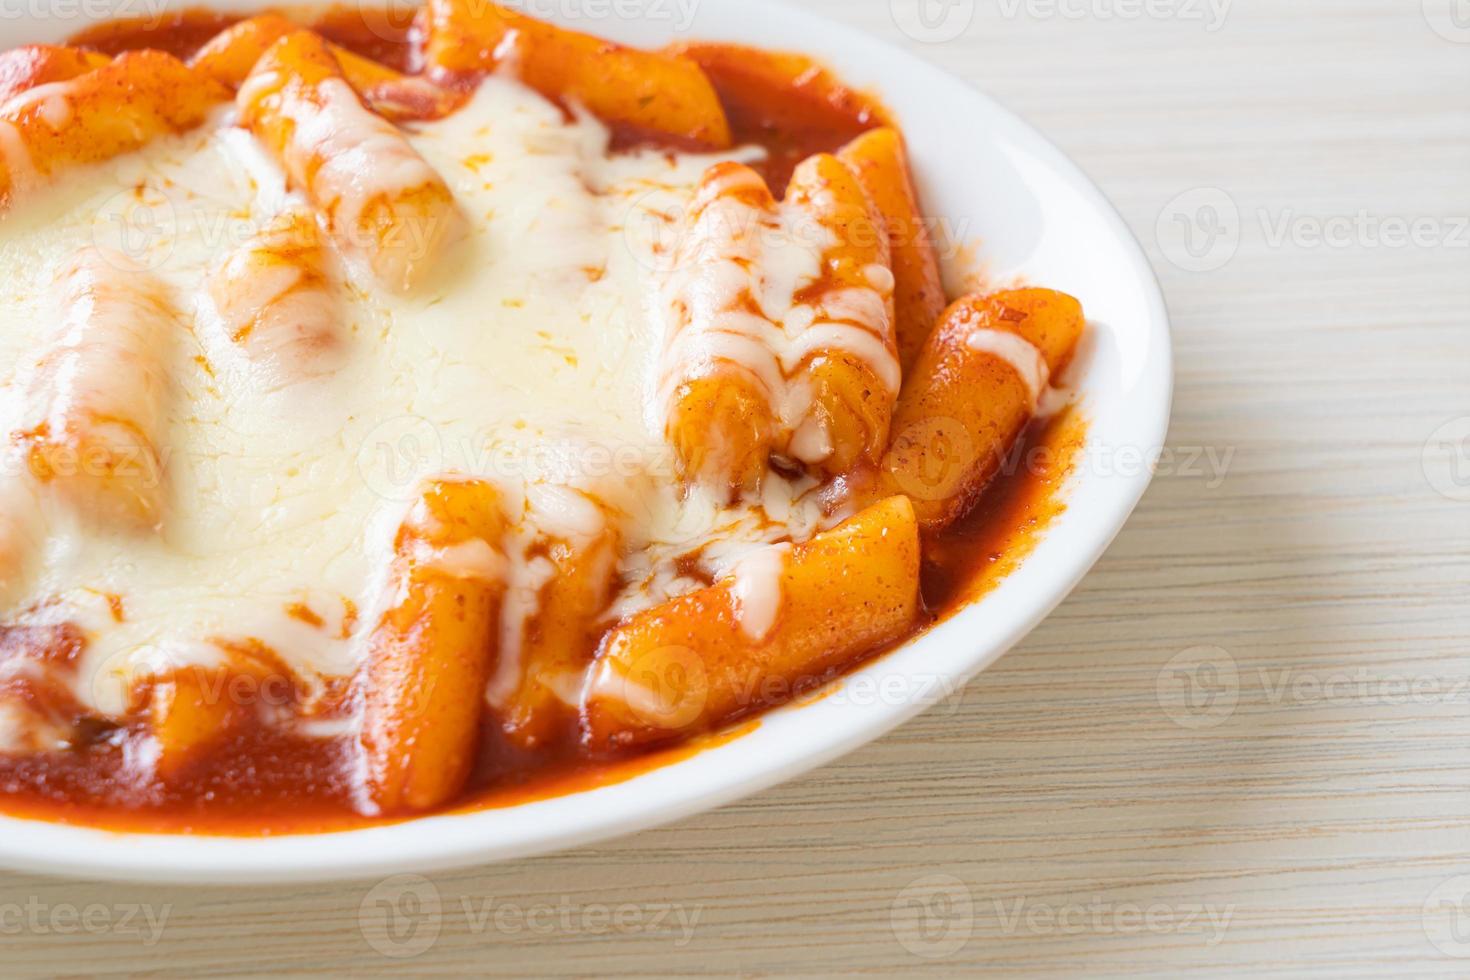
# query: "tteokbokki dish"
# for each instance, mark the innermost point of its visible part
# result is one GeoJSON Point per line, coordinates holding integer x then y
{"type": "Point", "coordinates": [401, 415]}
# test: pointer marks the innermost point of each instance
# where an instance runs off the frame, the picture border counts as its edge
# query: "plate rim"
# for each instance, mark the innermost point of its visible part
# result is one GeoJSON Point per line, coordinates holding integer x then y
{"type": "Point", "coordinates": [46, 847]}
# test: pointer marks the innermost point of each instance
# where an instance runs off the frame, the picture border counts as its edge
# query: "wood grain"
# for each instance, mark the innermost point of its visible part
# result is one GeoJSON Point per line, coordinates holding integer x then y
{"type": "Point", "coordinates": [1081, 814]}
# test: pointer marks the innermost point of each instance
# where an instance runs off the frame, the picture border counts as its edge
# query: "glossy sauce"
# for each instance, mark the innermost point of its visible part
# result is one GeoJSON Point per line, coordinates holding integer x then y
{"type": "Point", "coordinates": [386, 36]}
{"type": "Point", "coordinates": [971, 558]}
{"type": "Point", "coordinates": [179, 32]}
{"type": "Point", "coordinates": [785, 103]}
{"type": "Point", "coordinates": [259, 780]}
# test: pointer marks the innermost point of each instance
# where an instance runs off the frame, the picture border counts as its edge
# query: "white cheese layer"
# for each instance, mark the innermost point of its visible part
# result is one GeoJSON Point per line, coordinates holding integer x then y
{"type": "Point", "coordinates": [529, 359]}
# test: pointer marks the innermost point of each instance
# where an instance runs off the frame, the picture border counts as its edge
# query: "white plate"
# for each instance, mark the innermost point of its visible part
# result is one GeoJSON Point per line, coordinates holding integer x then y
{"type": "Point", "coordinates": [1039, 218]}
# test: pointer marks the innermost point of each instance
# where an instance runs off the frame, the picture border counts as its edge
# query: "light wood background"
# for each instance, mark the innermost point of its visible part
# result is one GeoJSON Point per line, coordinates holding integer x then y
{"type": "Point", "coordinates": [1080, 809]}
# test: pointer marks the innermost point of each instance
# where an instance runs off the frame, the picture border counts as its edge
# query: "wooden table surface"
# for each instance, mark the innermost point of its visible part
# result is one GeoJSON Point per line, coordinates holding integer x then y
{"type": "Point", "coordinates": [1242, 744]}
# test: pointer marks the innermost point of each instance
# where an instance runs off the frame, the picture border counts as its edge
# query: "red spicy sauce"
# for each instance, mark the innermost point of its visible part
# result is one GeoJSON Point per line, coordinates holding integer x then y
{"type": "Point", "coordinates": [259, 780]}
{"type": "Point", "coordinates": [177, 32]}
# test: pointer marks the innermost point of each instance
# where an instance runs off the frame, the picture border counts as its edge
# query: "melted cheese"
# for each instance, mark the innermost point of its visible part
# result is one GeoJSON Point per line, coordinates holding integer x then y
{"type": "Point", "coordinates": [96, 402]}
{"type": "Point", "coordinates": [733, 298]}
{"type": "Point", "coordinates": [23, 731]}
{"type": "Point", "coordinates": [15, 160]}
{"type": "Point", "coordinates": [356, 166]}
{"type": "Point", "coordinates": [275, 299]}
{"type": "Point", "coordinates": [1020, 354]}
{"type": "Point", "coordinates": [530, 358]}
{"type": "Point", "coordinates": [50, 101]}
{"type": "Point", "coordinates": [756, 588]}
{"type": "Point", "coordinates": [20, 520]}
